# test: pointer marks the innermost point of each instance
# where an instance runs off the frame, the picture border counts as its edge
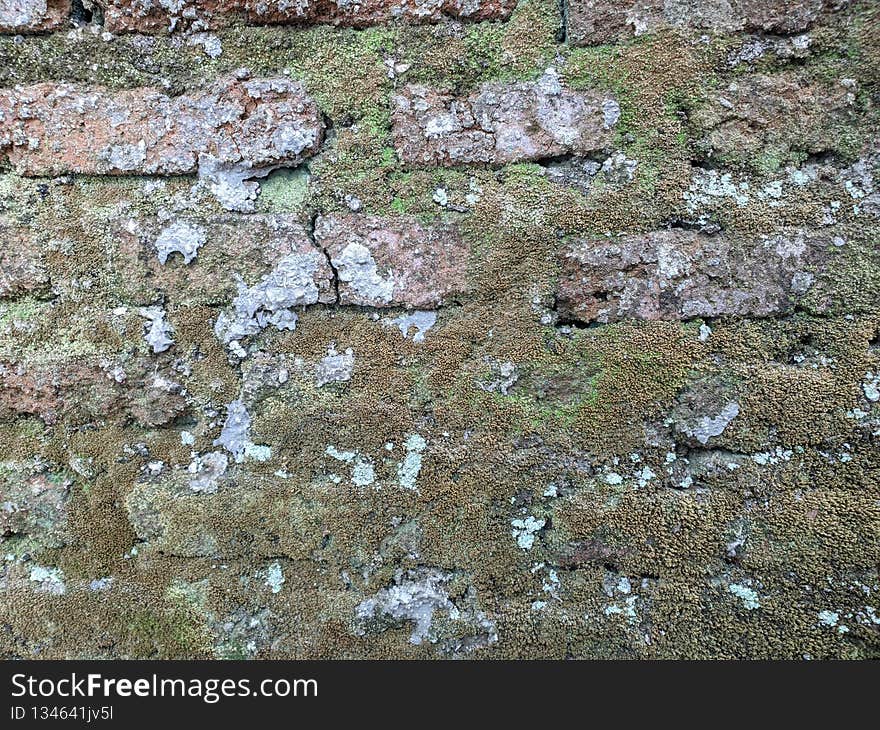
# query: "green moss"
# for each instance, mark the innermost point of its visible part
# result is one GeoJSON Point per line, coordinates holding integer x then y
{"type": "Point", "coordinates": [285, 191]}
{"type": "Point", "coordinates": [166, 634]}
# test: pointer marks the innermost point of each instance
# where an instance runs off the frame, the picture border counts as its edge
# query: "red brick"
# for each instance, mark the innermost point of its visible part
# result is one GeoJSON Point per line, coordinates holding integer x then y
{"type": "Point", "coordinates": [391, 262]}
{"type": "Point", "coordinates": [151, 17]}
{"type": "Point", "coordinates": [680, 274]}
{"type": "Point", "coordinates": [772, 113]}
{"type": "Point", "coordinates": [235, 127]}
{"type": "Point", "coordinates": [501, 123]}
{"type": "Point", "coordinates": [33, 16]}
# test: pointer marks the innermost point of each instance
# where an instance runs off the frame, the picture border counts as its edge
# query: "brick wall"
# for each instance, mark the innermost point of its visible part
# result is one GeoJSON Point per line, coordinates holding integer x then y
{"type": "Point", "coordinates": [439, 329]}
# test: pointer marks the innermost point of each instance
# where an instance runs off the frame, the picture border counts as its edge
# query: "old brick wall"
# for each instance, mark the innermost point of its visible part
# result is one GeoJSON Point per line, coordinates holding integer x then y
{"type": "Point", "coordinates": [439, 328]}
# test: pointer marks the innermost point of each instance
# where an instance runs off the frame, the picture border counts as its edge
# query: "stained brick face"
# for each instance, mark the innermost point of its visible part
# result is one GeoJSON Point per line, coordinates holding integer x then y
{"type": "Point", "coordinates": [231, 248]}
{"type": "Point", "coordinates": [142, 16]}
{"type": "Point", "coordinates": [439, 329]}
{"type": "Point", "coordinates": [772, 113]}
{"type": "Point", "coordinates": [387, 262]}
{"type": "Point", "coordinates": [237, 126]}
{"type": "Point", "coordinates": [592, 22]}
{"type": "Point", "coordinates": [78, 391]}
{"type": "Point", "coordinates": [679, 274]}
{"type": "Point", "coordinates": [21, 263]}
{"type": "Point", "coordinates": [501, 123]}
{"type": "Point", "coordinates": [33, 16]}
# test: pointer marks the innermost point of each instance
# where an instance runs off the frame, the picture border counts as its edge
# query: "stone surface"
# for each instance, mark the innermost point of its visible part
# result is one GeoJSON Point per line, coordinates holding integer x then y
{"type": "Point", "coordinates": [236, 248]}
{"type": "Point", "coordinates": [391, 262]}
{"type": "Point", "coordinates": [592, 22]}
{"type": "Point", "coordinates": [33, 16]}
{"type": "Point", "coordinates": [705, 410]}
{"type": "Point", "coordinates": [539, 352]}
{"type": "Point", "coordinates": [681, 274]}
{"type": "Point", "coordinates": [298, 278]}
{"type": "Point", "coordinates": [80, 392]}
{"type": "Point", "coordinates": [21, 263]}
{"type": "Point", "coordinates": [501, 123]}
{"type": "Point", "coordinates": [273, 518]}
{"type": "Point", "coordinates": [33, 503]}
{"type": "Point", "coordinates": [144, 16]}
{"type": "Point", "coordinates": [773, 115]}
{"type": "Point", "coordinates": [233, 128]}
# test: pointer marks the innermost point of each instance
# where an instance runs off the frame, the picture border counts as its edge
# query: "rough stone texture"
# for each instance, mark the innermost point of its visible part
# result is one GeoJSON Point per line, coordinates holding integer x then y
{"type": "Point", "coordinates": [680, 274]}
{"type": "Point", "coordinates": [591, 370]}
{"type": "Point", "coordinates": [82, 392]}
{"type": "Point", "coordinates": [233, 126]}
{"type": "Point", "coordinates": [21, 265]}
{"type": "Point", "coordinates": [393, 262]}
{"type": "Point", "coordinates": [501, 123]}
{"type": "Point", "coordinates": [236, 248]}
{"type": "Point", "coordinates": [33, 16]}
{"type": "Point", "coordinates": [144, 16]}
{"type": "Point", "coordinates": [772, 115]}
{"type": "Point", "coordinates": [34, 503]}
{"type": "Point", "coordinates": [591, 22]}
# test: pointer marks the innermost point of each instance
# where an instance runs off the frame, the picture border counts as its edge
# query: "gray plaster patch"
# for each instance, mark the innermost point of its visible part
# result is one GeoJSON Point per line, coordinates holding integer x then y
{"type": "Point", "coordinates": [206, 471]}
{"type": "Point", "coordinates": [21, 13]}
{"type": "Point", "coordinates": [48, 580]}
{"type": "Point", "coordinates": [180, 237]}
{"type": "Point", "coordinates": [275, 577]}
{"type": "Point", "coordinates": [420, 321]}
{"type": "Point", "coordinates": [356, 266]}
{"type": "Point", "coordinates": [157, 331]}
{"type": "Point", "coordinates": [335, 367]}
{"type": "Point", "coordinates": [707, 427]}
{"type": "Point", "coordinates": [235, 436]}
{"type": "Point", "coordinates": [363, 474]}
{"type": "Point", "coordinates": [502, 376]}
{"type": "Point", "coordinates": [271, 301]}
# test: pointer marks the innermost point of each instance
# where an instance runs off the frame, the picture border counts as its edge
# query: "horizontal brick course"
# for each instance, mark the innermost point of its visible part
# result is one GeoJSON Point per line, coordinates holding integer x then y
{"type": "Point", "coordinates": [681, 274]}
{"type": "Point", "coordinates": [236, 126]}
{"type": "Point", "coordinates": [388, 262]}
{"type": "Point", "coordinates": [592, 22]}
{"type": "Point", "coordinates": [225, 249]}
{"type": "Point", "coordinates": [143, 16]}
{"type": "Point", "coordinates": [501, 123]}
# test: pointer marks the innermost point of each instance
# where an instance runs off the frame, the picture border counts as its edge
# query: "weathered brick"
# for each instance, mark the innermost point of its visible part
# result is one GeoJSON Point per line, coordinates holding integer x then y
{"type": "Point", "coordinates": [231, 130]}
{"type": "Point", "coordinates": [372, 12]}
{"type": "Point", "coordinates": [33, 16]}
{"type": "Point", "coordinates": [680, 274]}
{"type": "Point", "coordinates": [82, 391]}
{"type": "Point", "coordinates": [392, 262]}
{"type": "Point", "coordinates": [33, 502]}
{"type": "Point", "coordinates": [144, 16]}
{"type": "Point", "coordinates": [222, 251]}
{"type": "Point", "coordinates": [773, 115]}
{"type": "Point", "coordinates": [591, 22]}
{"type": "Point", "coordinates": [300, 276]}
{"type": "Point", "coordinates": [501, 123]}
{"type": "Point", "coordinates": [175, 518]}
{"type": "Point", "coordinates": [21, 263]}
